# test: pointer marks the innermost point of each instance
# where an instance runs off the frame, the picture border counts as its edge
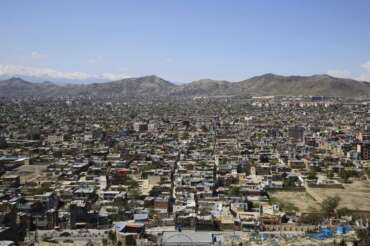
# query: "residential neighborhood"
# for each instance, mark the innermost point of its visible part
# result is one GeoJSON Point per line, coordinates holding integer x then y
{"type": "Point", "coordinates": [185, 171]}
{"type": "Point", "coordinates": [184, 123]}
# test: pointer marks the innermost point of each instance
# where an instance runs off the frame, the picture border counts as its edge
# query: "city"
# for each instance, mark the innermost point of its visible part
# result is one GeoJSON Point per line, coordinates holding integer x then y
{"type": "Point", "coordinates": [205, 171]}
{"type": "Point", "coordinates": [184, 123]}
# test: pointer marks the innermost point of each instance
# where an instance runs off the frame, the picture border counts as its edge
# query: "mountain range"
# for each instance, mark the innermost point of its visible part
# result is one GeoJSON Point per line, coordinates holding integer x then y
{"type": "Point", "coordinates": [264, 85]}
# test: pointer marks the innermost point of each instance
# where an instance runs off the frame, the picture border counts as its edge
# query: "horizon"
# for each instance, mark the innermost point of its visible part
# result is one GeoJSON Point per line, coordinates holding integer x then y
{"type": "Point", "coordinates": [93, 41]}
{"type": "Point", "coordinates": [35, 80]}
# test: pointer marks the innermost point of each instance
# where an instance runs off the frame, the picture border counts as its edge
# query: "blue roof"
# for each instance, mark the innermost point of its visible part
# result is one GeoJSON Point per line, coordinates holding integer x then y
{"type": "Point", "coordinates": [343, 229]}
{"type": "Point", "coordinates": [119, 226]}
{"type": "Point", "coordinates": [322, 234]}
{"type": "Point", "coordinates": [8, 158]}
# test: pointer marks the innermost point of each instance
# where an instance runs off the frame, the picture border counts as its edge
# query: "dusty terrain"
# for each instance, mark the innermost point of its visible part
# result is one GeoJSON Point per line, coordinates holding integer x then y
{"type": "Point", "coordinates": [301, 200]}
{"type": "Point", "coordinates": [355, 196]}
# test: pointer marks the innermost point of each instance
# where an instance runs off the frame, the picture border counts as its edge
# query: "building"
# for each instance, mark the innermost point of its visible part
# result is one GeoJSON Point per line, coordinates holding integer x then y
{"type": "Point", "coordinates": [140, 127]}
{"type": "Point", "coordinates": [297, 164]}
{"type": "Point", "coordinates": [54, 139]}
{"type": "Point", "coordinates": [3, 143]}
{"type": "Point", "coordinates": [296, 133]}
{"type": "Point", "coordinates": [364, 149]}
{"type": "Point", "coordinates": [10, 181]}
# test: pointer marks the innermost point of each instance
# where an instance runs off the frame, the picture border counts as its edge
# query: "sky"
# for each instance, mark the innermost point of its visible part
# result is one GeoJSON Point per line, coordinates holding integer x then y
{"type": "Point", "coordinates": [183, 40]}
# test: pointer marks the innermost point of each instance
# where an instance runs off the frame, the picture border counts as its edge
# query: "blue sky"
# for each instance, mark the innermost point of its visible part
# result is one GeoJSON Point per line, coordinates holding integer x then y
{"type": "Point", "coordinates": [184, 40]}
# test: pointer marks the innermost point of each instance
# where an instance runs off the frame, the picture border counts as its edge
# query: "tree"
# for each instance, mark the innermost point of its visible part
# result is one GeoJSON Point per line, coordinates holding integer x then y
{"type": "Point", "coordinates": [134, 193]}
{"type": "Point", "coordinates": [343, 212]}
{"type": "Point", "coordinates": [330, 174]}
{"type": "Point", "coordinates": [112, 236]}
{"type": "Point", "coordinates": [204, 128]}
{"type": "Point", "coordinates": [311, 175]}
{"type": "Point", "coordinates": [235, 191]}
{"type": "Point", "coordinates": [363, 236]}
{"type": "Point", "coordinates": [290, 182]}
{"type": "Point", "coordinates": [185, 135]}
{"type": "Point", "coordinates": [344, 174]}
{"type": "Point", "coordinates": [329, 205]}
{"type": "Point", "coordinates": [132, 114]}
{"type": "Point", "coordinates": [130, 182]}
{"type": "Point", "coordinates": [274, 161]}
{"type": "Point", "coordinates": [203, 163]}
{"type": "Point", "coordinates": [312, 219]}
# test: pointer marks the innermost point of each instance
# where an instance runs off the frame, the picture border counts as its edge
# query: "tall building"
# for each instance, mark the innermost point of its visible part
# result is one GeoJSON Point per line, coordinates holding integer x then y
{"type": "Point", "coordinates": [3, 143]}
{"type": "Point", "coordinates": [296, 133]}
{"type": "Point", "coordinates": [364, 149]}
{"type": "Point", "coordinates": [140, 127]}
{"type": "Point", "coordinates": [364, 146]}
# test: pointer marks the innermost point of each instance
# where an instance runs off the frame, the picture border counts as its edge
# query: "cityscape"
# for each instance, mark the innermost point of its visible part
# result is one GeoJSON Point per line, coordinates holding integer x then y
{"type": "Point", "coordinates": [98, 159]}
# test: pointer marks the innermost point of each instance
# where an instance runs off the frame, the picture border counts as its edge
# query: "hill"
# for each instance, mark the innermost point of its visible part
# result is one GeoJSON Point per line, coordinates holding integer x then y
{"type": "Point", "coordinates": [148, 86]}
{"type": "Point", "coordinates": [320, 85]}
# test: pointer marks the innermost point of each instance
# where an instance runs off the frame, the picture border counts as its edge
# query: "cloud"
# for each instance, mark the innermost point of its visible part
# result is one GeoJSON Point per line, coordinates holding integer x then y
{"type": "Point", "coordinates": [366, 66]}
{"type": "Point", "coordinates": [50, 73]}
{"type": "Point", "coordinates": [339, 73]}
{"type": "Point", "coordinates": [35, 55]}
{"type": "Point", "coordinates": [366, 75]}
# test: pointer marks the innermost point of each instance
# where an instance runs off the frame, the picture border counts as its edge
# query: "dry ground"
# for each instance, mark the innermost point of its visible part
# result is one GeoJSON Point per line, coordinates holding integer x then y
{"type": "Point", "coordinates": [355, 196]}
{"type": "Point", "coordinates": [28, 172]}
{"type": "Point", "coordinates": [301, 200]}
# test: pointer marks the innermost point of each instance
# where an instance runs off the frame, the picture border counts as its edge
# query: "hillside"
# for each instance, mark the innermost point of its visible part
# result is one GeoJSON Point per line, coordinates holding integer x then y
{"type": "Point", "coordinates": [267, 84]}
{"type": "Point", "coordinates": [322, 85]}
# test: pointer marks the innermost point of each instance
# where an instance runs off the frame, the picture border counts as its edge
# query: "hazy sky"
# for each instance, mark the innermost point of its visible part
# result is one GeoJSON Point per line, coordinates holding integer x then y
{"type": "Point", "coordinates": [184, 40]}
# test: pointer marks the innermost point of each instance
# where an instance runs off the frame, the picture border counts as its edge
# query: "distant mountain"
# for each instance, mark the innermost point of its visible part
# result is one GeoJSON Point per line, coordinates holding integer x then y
{"type": "Point", "coordinates": [323, 85]}
{"type": "Point", "coordinates": [130, 87]}
{"type": "Point", "coordinates": [148, 85]}
{"type": "Point", "coordinates": [17, 87]}
{"type": "Point", "coordinates": [267, 84]}
{"type": "Point", "coordinates": [204, 87]}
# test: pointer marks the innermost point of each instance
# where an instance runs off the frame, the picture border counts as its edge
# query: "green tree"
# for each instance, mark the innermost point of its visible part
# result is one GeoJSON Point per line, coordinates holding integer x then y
{"type": "Point", "coordinates": [112, 236]}
{"type": "Point", "coordinates": [311, 175]}
{"type": "Point", "coordinates": [203, 163]}
{"type": "Point", "coordinates": [363, 236]}
{"type": "Point", "coordinates": [329, 205]}
{"type": "Point", "coordinates": [330, 174]}
{"type": "Point", "coordinates": [134, 193]}
{"type": "Point", "coordinates": [185, 135]}
{"type": "Point", "coordinates": [312, 219]}
{"type": "Point", "coordinates": [130, 182]}
{"type": "Point", "coordinates": [289, 182]}
{"type": "Point", "coordinates": [344, 174]}
{"type": "Point", "coordinates": [235, 191]}
{"type": "Point", "coordinates": [343, 212]}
